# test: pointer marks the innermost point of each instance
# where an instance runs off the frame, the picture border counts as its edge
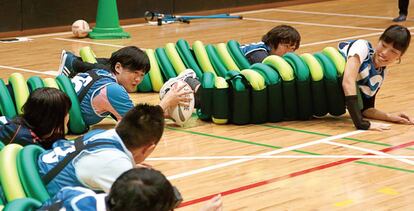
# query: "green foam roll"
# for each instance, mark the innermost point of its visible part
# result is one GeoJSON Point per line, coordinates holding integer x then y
{"type": "Point", "coordinates": [234, 50]}
{"type": "Point", "coordinates": [50, 82]}
{"type": "Point", "coordinates": [155, 74]}
{"type": "Point", "coordinates": [283, 68]}
{"type": "Point", "coordinates": [290, 107]}
{"type": "Point", "coordinates": [258, 100]}
{"type": "Point", "coordinates": [334, 93]}
{"type": "Point", "coordinates": [29, 173]}
{"type": "Point", "coordinates": [145, 85]}
{"type": "Point", "coordinates": [20, 90]}
{"type": "Point", "coordinates": [215, 61]}
{"type": "Point", "coordinates": [188, 56]}
{"type": "Point", "coordinates": [23, 204]}
{"type": "Point", "coordinates": [202, 57]}
{"type": "Point", "coordinates": [320, 106]}
{"type": "Point", "coordinates": [174, 58]}
{"type": "Point", "coordinates": [225, 57]}
{"type": "Point", "coordinates": [35, 82]}
{"type": "Point", "coordinates": [303, 85]}
{"type": "Point", "coordinates": [76, 123]}
{"type": "Point", "coordinates": [7, 107]}
{"type": "Point", "coordinates": [274, 91]}
{"type": "Point", "coordinates": [336, 57]}
{"type": "Point", "coordinates": [9, 176]}
{"type": "Point", "coordinates": [164, 63]}
{"type": "Point", "coordinates": [206, 96]}
{"type": "Point", "coordinates": [239, 98]}
{"type": "Point", "coordinates": [221, 101]}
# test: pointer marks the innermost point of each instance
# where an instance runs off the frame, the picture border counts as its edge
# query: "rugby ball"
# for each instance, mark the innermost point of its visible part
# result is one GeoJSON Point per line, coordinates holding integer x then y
{"type": "Point", "coordinates": [180, 114]}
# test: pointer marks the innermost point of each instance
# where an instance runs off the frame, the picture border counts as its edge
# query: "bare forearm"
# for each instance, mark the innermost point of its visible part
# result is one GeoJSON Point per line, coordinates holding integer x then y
{"type": "Point", "coordinates": [374, 113]}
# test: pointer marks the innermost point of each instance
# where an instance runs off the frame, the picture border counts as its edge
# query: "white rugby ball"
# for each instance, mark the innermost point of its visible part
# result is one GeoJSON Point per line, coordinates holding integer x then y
{"type": "Point", "coordinates": [180, 114]}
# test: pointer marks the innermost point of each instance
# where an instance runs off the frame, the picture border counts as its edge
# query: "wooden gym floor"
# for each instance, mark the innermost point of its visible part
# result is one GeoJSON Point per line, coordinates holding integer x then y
{"type": "Point", "coordinates": [316, 165]}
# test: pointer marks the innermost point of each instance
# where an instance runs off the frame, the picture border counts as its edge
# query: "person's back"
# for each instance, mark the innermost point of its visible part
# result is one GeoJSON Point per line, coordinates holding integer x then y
{"type": "Point", "coordinates": [44, 118]}
{"type": "Point", "coordinates": [75, 173]}
{"type": "Point", "coordinates": [278, 41]}
{"type": "Point", "coordinates": [136, 189]}
{"type": "Point", "coordinates": [102, 97]}
{"type": "Point", "coordinates": [142, 189]}
{"type": "Point", "coordinates": [15, 132]}
{"type": "Point", "coordinates": [97, 166]}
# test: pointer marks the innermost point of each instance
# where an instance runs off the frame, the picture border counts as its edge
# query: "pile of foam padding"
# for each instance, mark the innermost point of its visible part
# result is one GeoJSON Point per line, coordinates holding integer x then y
{"type": "Point", "coordinates": [21, 183]}
{"type": "Point", "coordinates": [232, 90]}
{"type": "Point", "coordinates": [14, 95]}
{"type": "Point", "coordinates": [292, 87]}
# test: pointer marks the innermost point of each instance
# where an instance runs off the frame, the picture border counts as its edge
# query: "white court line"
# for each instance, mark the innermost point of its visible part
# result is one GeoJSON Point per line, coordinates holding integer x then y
{"type": "Point", "coordinates": [346, 38]}
{"type": "Point", "coordinates": [312, 24]}
{"type": "Point", "coordinates": [388, 156]}
{"type": "Point", "coordinates": [27, 70]}
{"type": "Point", "coordinates": [252, 11]}
{"type": "Point", "coordinates": [65, 33]}
{"type": "Point", "coordinates": [333, 14]}
{"type": "Point", "coordinates": [278, 151]}
{"type": "Point", "coordinates": [135, 25]}
{"type": "Point", "coordinates": [88, 42]}
{"type": "Point", "coordinates": [341, 39]}
{"type": "Point", "coordinates": [49, 35]}
{"type": "Point", "coordinates": [376, 152]}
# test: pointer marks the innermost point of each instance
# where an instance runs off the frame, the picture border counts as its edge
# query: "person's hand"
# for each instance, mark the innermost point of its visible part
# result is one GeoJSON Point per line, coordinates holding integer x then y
{"type": "Point", "coordinates": [214, 204]}
{"type": "Point", "coordinates": [379, 126]}
{"type": "Point", "coordinates": [401, 118]}
{"type": "Point", "coordinates": [177, 95]}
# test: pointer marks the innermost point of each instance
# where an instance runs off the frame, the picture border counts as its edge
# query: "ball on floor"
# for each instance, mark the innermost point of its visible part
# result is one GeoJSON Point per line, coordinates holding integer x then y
{"type": "Point", "coordinates": [80, 28]}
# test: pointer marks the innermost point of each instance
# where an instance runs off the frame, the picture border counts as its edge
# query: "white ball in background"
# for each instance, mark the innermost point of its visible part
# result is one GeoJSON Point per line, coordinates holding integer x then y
{"type": "Point", "coordinates": [80, 28]}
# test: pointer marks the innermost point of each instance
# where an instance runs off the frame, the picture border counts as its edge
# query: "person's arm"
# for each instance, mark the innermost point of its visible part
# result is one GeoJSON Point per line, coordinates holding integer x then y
{"type": "Point", "coordinates": [371, 112]}
{"type": "Point", "coordinates": [349, 87]}
{"type": "Point", "coordinates": [114, 99]}
{"type": "Point", "coordinates": [356, 55]}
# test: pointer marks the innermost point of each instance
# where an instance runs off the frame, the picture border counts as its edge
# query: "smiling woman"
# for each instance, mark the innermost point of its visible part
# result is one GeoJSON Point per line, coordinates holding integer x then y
{"type": "Point", "coordinates": [365, 66]}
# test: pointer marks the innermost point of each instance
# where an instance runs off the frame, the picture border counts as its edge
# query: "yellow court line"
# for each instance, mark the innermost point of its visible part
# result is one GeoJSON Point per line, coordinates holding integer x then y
{"type": "Point", "coordinates": [343, 203]}
{"type": "Point", "coordinates": [388, 191]}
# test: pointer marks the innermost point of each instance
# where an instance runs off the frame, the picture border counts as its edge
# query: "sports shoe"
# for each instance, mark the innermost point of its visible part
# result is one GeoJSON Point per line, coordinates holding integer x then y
{"type": "Point", "coordinates": [400, 18]}
{"type": "Point", "coordinates": [188, 73]}
{"type": "Point", "coordinates": [66, 67]}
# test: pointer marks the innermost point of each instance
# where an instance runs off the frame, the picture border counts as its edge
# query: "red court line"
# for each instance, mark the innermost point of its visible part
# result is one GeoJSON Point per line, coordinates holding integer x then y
{"type": "Point", "coordinates": [295, 174]}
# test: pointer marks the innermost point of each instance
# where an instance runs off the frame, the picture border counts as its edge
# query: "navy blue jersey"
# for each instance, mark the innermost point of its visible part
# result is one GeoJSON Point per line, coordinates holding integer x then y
{"type": "Point", "coordinates": [255, 52]}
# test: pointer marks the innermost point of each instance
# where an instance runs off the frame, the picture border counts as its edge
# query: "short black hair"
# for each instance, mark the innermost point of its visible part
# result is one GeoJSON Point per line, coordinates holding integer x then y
{"type": "Point", "coordinates": [141, 189]}
{"type": "Point", "coordinates": [397, 35]}
{"type": "Point", "coordinates": [282, 34]}
{"type": "Point", "coordinates": [142, 125]}
{"type": "Point", "coordinates": [44, 113]}
{"type": "Point", "coordinates": [130, 57]}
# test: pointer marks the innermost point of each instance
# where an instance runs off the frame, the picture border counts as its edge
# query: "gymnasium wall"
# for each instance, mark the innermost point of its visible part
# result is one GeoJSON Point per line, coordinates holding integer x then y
{"type": "Point", "coordinates": [19, 15]}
